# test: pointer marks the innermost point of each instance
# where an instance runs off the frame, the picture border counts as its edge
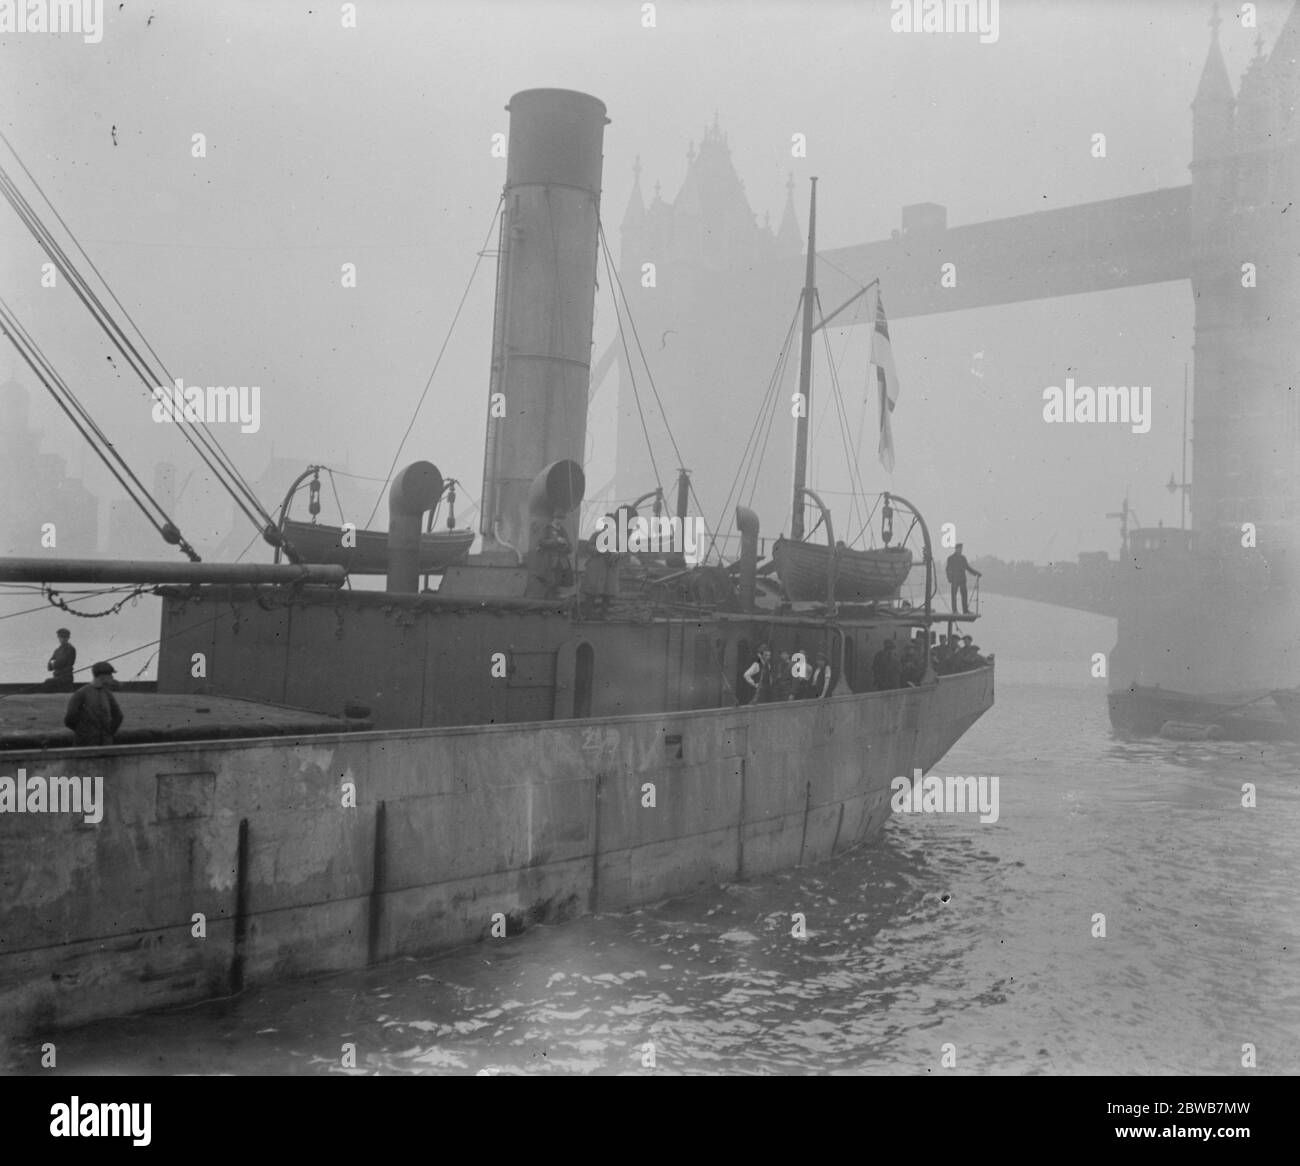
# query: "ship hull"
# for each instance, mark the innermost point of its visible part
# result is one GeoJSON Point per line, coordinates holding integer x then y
{"type": "Point", "coordinates": [453, 831]}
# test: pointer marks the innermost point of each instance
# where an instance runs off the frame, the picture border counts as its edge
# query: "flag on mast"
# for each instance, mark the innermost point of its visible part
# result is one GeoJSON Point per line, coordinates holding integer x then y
{"type": "Point", "coordinates": [882, 357]}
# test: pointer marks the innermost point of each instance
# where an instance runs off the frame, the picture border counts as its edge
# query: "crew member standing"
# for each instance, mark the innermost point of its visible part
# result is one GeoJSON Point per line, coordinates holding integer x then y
{"type": "Point", "coordinates": [783, 678]}
{"type": "Point", "coordinates": [60, 663]}
{"type": "Point", "coordinates": [94, 715]}
{"type": "Point", "coordinates": [759, 676]}
{"type": "Point", "coordinates": [884, 668]}
{"type": "Point", "coordinates": [820, 682]}
{"type": "Point", "coordinates": [957, 569]}
{"type": "Point", "coordinates": [600, 568]}
{"type": "Point", "coordinates": [556, 557]}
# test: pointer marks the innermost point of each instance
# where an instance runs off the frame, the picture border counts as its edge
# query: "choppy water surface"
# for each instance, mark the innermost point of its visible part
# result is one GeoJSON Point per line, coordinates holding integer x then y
{"type": "Point", "coordinates": [941, 931]}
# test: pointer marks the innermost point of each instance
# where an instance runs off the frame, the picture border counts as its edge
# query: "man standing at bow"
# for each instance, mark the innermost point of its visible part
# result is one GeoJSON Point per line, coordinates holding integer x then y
{"type": "Point", "coordinates": [957, 568]}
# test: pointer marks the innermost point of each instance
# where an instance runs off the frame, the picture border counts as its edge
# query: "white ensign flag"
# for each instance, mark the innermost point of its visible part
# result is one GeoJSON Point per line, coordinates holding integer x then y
{"type": "Point", "coordinates": [882, 357]}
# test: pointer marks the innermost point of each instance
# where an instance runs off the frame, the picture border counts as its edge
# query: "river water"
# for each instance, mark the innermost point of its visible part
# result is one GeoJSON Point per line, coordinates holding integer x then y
{"type": "Point", "coordinates": [941, 932]}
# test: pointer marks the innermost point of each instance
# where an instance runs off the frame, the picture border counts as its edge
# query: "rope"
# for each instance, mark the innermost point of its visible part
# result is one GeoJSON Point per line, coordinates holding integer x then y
{"type": "Point", "coordinates": [766, 409]}
{"type": "Point", "coordinates": [55, 385]}
{"type": "Point", "coordinates": [113, 330]}
{"type": "Point", "coordinates": [855, 472]}
{"type": "Point", "coordinates": [636, 393]}
{"type": "Point", "coordinates": [45, 607]}
{"type": "Point", "coordinates": [208, 438]}
{"type": "Point", "coordinates": [433, 372]}
{"type": "Point", "coordinates": [117, 336]}
{"type": "Point", "coordinates": [334, 488]}
{"type": "Point", "coordinates": [641, 351]}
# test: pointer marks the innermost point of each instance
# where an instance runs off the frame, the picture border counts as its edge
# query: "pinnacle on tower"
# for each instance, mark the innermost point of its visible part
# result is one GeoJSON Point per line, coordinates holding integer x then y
{"type": "Point", "coordinates": [1215, 87]}
{"type": "Point", "coordinates": [634, 216]}
{"type": "Point", "coordinates": [1213, 105]}
{"type": "Point", "coordinates": [789, 238]}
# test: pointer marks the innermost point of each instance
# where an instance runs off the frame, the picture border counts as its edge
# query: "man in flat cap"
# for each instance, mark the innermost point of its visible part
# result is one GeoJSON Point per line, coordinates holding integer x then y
{"type": "Point", "coordinates": [820, 682]}
{"type": "Point", "coordinates": [94, 715]}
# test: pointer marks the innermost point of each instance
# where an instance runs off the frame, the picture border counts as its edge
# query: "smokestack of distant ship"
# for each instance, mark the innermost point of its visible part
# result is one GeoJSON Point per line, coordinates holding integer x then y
{"type": "Point", "coordinates": [541, 340]}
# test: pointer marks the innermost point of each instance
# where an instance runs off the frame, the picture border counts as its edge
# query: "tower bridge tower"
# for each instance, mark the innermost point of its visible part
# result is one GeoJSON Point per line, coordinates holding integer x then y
{"type": "Point", "coordinates": [711, 291]}
{"type": "Point", "coordinates": [1245, 274]}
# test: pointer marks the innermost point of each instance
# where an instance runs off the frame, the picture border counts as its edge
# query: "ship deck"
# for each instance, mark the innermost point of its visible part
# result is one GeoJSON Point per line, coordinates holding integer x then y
{"type": "Point", "coordinates": [34, 720]}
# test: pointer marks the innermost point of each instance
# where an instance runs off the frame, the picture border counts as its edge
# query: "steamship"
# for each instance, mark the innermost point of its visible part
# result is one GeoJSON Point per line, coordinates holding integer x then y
{"type": "Point", "coordinates": [506, 746]}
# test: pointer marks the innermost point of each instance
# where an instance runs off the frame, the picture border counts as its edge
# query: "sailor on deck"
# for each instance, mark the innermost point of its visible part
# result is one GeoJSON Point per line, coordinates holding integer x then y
{"type": "Point", "coordinates": [60, 663]}
{"type": "Point", "coordinates": [884, 668]}
{"type": "Point", "coordinates": [957, 569]}
{"type": "Point", "coordinates": [819, 683]}
{"type": "Point", "coordinates": [600, 569]}
{"type": "Point", "coordinates": [93, 715]}
{"type": "Point", "coordinates": [556, 557]}
{"type": "Point", "coordinates": [759, 675]}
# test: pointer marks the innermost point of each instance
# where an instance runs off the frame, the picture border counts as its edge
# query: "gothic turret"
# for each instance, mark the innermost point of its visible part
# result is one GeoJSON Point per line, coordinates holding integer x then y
{"type": "Point", "coordinates": [1256, 113]}
{"type": "Point", "coordinates": [1212, 107]}
{"type": "Point", "coordinates": [789, 239]}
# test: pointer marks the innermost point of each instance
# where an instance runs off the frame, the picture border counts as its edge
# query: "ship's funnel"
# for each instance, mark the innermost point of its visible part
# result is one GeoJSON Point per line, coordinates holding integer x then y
{"type": "Point", "coordinates": [747, 524]}
{"type": "Point", "coordinates": [541, 340]}
{"type": "Point", "coordinates": [415, 490]}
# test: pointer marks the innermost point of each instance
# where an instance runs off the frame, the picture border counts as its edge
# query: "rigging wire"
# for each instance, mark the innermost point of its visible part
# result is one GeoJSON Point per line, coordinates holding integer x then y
{"type": "Point", "coordinates": [750, 458]}
{"type": "Point", "coordinates": [209, 439]}
{"type": "Point", "coordinates": [45, 607]}
{"type": "Point", "coordinates": [206, 445]}
{"type": "Point", "coordinates": [622, 336]}
{"type": "Point", "coordinates": [337, 500]}
{"type": "Point", "coordinates": [58, 388]}
{"type": "Point", "coordinates": [855, 471]}
{"type": "Point", "coordinates": [636, 335]}
{"type": "Point", "coordinates": [433, 372]}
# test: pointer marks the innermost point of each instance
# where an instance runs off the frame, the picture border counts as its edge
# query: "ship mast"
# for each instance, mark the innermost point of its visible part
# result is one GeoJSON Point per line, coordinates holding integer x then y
{"type": "Point", "coordinates": [805, 375]}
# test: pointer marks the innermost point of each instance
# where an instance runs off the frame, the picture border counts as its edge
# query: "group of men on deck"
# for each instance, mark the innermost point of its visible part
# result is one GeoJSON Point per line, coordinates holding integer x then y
{"type": "Point", "coordinates": [788, 677]}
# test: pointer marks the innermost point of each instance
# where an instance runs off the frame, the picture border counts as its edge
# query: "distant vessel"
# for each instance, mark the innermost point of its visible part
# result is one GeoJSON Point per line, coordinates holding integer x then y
{"type": "Point", "coordinates": [542, 747]}
{"type": "Point", "coordinates": [1209, 617]}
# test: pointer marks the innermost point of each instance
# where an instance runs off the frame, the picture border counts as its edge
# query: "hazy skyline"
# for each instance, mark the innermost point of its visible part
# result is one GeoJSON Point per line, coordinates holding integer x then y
{"type": "Point", "coordinates": [373, 146]}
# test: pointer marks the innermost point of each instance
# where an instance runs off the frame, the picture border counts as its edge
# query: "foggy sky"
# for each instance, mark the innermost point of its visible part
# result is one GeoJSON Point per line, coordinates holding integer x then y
{"type": "Point", "coordinates": [373, 146]}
